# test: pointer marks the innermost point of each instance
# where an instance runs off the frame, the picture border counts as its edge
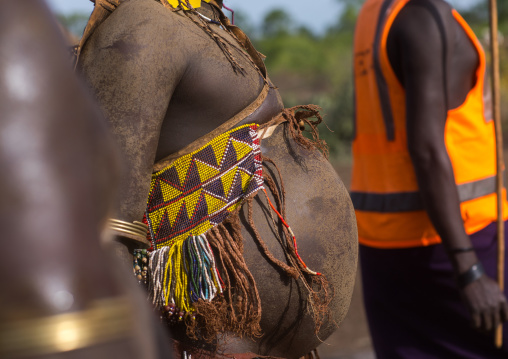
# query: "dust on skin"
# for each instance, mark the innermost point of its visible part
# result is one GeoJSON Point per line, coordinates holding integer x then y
{"type": "Point", "coordinates": [169, 84]}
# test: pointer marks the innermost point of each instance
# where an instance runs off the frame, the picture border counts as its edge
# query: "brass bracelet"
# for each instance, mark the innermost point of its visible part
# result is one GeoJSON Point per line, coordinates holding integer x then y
{"type": "Point", "coordinates": [106, 320]}
{"type": "Point", "coordinates": [135, 231]}
{"type": "Point", "coordinates": [140, 225]}
{"type": "Point", "coordinates": [136, 227]}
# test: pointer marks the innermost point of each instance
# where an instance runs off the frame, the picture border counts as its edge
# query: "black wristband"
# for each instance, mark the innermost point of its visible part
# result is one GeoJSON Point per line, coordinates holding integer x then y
{"type": "Point", "coordinates": [469, 276]}
{"type": "Point", "coordinates": [461, 250]}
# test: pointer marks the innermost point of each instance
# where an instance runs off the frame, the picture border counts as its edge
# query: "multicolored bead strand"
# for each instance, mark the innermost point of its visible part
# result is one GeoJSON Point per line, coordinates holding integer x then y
{"type": "Point", "coordinates": [140, 265]}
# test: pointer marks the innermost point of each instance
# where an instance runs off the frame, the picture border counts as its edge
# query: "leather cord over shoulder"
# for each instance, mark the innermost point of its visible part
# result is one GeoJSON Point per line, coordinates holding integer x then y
{"type": "Point", "coordinates": [109, 5]}
{"type": "Point", "coordinates": [244, 40]}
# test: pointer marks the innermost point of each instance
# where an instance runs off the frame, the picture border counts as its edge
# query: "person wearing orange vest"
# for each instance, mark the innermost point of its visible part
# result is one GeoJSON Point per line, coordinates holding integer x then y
{"type": "Point", "coordinates": [423, 183]}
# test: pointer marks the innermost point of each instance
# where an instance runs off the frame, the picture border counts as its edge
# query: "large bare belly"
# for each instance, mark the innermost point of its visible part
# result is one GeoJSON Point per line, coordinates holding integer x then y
{"type": "Point", "coordinates": [319, 211]}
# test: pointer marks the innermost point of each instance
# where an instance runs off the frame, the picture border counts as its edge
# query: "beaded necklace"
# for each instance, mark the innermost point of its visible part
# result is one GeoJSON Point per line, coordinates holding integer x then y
{"type": "Point", "coordinates": [194, 3]}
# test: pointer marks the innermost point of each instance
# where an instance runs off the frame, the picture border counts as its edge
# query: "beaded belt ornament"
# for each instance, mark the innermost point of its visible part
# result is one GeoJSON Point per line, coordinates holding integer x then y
{"type": "Point", "coordinates": [188, 198]}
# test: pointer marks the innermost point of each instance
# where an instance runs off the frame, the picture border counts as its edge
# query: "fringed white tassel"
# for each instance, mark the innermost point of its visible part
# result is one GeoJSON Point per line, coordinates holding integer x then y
{"type": "Point", "coordinates": [157, 265]}
{"type": "Point", "coordinates": [184, 273]}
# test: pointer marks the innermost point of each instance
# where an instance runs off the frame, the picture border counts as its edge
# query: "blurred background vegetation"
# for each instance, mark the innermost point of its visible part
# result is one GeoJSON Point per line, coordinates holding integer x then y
{"type": "Point", "coordinates": [317, 68]}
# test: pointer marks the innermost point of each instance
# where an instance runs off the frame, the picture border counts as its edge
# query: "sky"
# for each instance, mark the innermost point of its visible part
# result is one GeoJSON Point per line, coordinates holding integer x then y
{"type": "Point", "coordinates": [314, 14]}
{"type": "Point", "coordinates": [316, 18]}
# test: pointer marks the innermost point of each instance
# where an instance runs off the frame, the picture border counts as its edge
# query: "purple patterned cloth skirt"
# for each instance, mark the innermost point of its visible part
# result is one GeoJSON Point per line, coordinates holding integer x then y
{"type": "Point", "coordinates": [413, 305]}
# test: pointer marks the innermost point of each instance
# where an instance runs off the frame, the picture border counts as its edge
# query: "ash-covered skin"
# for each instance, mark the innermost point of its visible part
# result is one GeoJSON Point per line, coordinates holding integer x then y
{"type": "Point", "coordinates": [162, 83]}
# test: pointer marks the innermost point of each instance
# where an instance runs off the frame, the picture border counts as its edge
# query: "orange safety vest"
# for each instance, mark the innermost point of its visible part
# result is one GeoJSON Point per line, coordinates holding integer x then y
{"type": "Point", "coordinates": [384, 190]}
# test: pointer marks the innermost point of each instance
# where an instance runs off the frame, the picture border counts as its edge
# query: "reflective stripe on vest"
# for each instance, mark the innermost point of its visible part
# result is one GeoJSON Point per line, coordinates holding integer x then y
{"type": "Point", "coordinates": [412, 201]}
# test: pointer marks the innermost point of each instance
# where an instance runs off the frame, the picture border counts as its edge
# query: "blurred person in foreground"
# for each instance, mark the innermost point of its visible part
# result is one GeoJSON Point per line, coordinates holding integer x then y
{"type": "Point", "coordinates": [423, 183]}
{"type": "Point", "coordinates": [59, 294]}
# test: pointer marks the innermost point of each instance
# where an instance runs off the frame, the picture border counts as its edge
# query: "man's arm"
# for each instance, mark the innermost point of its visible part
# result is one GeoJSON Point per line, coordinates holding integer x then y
{"type": "Point", "coordinates": [133, 69]}
{"type": "Point", "coordinates": [424, 79]}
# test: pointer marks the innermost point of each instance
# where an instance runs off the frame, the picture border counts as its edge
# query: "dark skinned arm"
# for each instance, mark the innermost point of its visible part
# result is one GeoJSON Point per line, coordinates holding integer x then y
{"type": "Point", "coordinates": [422, 72]}
{"type": "Point", "coordinates": [130, 67]}
{"type": "Point", "coordinates": [133, 96]}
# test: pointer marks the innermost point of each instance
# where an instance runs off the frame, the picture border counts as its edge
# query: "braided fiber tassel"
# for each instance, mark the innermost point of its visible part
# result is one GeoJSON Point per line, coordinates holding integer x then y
{"type": "Point", "coordinates": [183, 274]}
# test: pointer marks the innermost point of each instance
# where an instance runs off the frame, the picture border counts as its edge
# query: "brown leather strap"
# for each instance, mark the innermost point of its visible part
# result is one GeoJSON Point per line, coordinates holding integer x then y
{"type": "Point", "coordinates": [213, 2]}
{"type": "Point", "coordinates": [243, 39]}
{"type": "Point", "coordinates": [109, 5]}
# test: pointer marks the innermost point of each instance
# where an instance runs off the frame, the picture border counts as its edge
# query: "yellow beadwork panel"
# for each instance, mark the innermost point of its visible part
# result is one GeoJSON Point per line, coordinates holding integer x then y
{"type": "Point", "coordinates": [199, 190]}
{"type": "Point", "coordinates": [194, 3]}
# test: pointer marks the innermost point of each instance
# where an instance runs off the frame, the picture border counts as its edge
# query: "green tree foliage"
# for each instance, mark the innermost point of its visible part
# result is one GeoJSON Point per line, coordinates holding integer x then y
{"type": "Point", "coordinates": [318, 69]}
{"type": "Point", "coordinates": [244, 23]}
{"type": "Point", "coordinates": [75, 23]}
{"type": "Point", "coordinates": [277, 23]}
{"type": "Point", "coordinates": [347, 19]}
{"type": "Point", "coordinates": [355, 4]}
{"type": "Point", "coordinates": [478, 16]}
{"type": "Point", "coordinates": [315, 69]}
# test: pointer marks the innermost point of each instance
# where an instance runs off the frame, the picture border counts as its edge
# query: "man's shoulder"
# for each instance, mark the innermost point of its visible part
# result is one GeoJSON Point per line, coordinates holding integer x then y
{"type": "Point", "coordinates": [427, 8]}
{"type": "Point", "coordinates": [138, 34]}
{"type": "Point", "coordinates": [423, 17]}
{"type": "Point", "coordinates": [142, 20]}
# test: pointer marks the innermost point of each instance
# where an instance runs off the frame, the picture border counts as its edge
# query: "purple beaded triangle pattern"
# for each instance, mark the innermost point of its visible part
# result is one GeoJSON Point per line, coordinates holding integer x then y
{"type": "Point", "coordinates": [189, 197]}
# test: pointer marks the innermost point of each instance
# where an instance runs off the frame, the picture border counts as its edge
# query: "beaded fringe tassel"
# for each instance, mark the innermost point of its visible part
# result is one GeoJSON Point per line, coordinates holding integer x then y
{"type": "Point", "coordinates": [182, 274]}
